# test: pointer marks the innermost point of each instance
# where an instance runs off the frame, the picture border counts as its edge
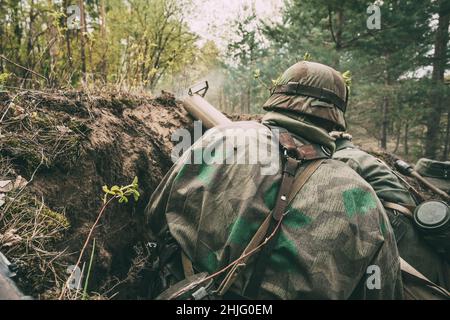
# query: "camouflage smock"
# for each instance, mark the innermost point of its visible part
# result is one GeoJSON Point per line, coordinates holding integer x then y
{"type": "Point", "coordinates": [388, 187]}
{"type": "Point", "coordinates": [335, 229]}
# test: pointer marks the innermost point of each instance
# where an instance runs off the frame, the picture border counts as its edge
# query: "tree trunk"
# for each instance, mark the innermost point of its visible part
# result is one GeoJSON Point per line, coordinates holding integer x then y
{"type": "Point", "coordinates": [385, 122]}
{"type": "Point", "coordinates": [30, 36]}
{"type": "Point", "coordinates": [385, 106]}
{"type": "Point", "coordinates": [104, 65]}
{"type": "Point", "coordinates": [399, 133]}
{"type": "Point", "coordinates": [69, 51]}
{"type": "Point", "coordinates": [439, 63]}
{"type": "Point", "coordinates": [52, 39]}
{"type": "Point", "coordinates": [249, 98]}
{"type": "Point", "coordinates": [406, 147]}
{"type": "Point", "coordinates": [18, 33]}
{"type": "Point", "coordinates": [445, 155]}
{"type": "Point", "coordinates": [339, 28]}
{"type": "Point", "coordinates": [82, 40]}
{"type": "Point", "coordinates": [67, 38]}
{"type": "Point", "coordinates": [336, 30]}
{"type": "Point", "coordinates": [1, 45]}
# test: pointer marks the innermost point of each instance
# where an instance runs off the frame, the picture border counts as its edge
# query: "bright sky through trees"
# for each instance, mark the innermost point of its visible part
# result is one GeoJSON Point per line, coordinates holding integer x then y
{"type": "Point", "coordinates": [211, 18]}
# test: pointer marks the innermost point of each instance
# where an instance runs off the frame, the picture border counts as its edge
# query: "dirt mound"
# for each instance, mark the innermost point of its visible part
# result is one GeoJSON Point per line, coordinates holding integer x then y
{"type": "Point", "coordinates": [69, 145]}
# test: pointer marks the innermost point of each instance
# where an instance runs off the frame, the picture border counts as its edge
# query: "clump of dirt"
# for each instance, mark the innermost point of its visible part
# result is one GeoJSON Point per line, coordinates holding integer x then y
{"type": "Point", "coordinates": [70, 144]}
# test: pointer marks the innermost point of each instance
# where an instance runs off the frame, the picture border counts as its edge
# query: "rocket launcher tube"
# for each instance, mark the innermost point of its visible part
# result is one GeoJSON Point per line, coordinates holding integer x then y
{"type": "Point", "coordinates": [202, 110]}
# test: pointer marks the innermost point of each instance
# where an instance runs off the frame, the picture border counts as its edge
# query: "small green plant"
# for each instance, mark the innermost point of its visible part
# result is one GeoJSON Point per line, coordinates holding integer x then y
{"type": "Point", "coordinates": [4, 78]}
{"type": "Point", "coordinates": [257, 73]}
{"type": "Point", "coordinates": [122, 193]}
{"type": "Point", "coordinates": [307, 56]}
{"type": "Point", "coordinates": [347, 75]}
{"type": "Point", "coordinates": [276, 82]}
{"type": "Point", "coordinates": [257, 76]}
{"type": "Point", "coordinates": [86, 282]}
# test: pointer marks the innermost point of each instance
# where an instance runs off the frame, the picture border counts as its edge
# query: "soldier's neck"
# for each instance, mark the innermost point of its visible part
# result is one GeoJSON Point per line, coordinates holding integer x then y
{"type": "Point", "coordinates": [305, 131]}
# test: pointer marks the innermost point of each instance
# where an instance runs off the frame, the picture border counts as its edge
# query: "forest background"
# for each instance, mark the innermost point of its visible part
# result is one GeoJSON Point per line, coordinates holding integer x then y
{"type": "Point", "coordinates": [397, 52]}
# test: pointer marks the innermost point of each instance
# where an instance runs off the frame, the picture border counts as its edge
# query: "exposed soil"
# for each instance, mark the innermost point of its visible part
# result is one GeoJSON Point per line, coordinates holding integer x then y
{"type": "Point", "coordinates": [107, 140]}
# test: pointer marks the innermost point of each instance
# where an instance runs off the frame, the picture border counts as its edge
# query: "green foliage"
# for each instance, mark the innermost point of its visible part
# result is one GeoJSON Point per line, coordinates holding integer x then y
{"type": "Point", "coordinates": [148, 44]}
{"type": "Point", "coordinates": [4, 78]}
{"type": "Point", "coordinates": [347, 75]}
{"type": "Point", "coordinates": [86, 282]}
{"type": "Point", "coordinates": [385, 66]}
{"type": "Point", "coordinates": [142, 42]}
{"type": "Point", "coordinates": [122, 193]}
{"type": "Point", "coordinates": [151, 37]}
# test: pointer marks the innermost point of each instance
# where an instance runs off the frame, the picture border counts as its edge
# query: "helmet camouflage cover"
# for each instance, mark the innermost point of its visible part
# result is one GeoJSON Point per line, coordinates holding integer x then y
{"type": "Point", "coordinates": [436, 172]}
{"type": "Point", "coordinates": [313, 76]}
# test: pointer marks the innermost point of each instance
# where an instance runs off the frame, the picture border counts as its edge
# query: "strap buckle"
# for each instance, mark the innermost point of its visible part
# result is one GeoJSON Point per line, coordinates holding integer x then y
{"type": "Point", "coordinates": [291, 153]}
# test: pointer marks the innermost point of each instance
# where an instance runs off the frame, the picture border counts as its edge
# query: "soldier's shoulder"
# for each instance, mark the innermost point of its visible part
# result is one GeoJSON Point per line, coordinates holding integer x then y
{"type": "Point", "coordinates": [353, 152]}
{"type": "Point", "coordinates": [356, 158]}
{"type": "Point", "coordinates": [241, 129]}
{"type": "Point", "coordinates": [240, 125]}
{"type": "Point", "coordinates": [335, 171]}
{"type": "Point", "coordinates": [338, 167]}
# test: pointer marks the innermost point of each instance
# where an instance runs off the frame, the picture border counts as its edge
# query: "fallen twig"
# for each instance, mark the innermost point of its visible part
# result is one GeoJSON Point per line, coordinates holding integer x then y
{"type": "Point", "coordinates": [24, 68]}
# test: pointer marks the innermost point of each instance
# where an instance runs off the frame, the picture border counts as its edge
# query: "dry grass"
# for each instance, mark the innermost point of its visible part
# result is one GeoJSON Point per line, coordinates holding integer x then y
{"type": "Point", "coordinates": [30, 234]}
{"type": "Point", "coordinates": [31, 135]}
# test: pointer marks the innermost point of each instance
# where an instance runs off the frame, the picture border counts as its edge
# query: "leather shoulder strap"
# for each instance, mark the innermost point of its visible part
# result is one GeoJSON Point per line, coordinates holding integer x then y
{"type": "Point", "coordinates": [290, 186]}
{"type": "Point", "coordinates": [304, 177]}
{"type": "Point", "coordinates": [262, 232]}
{"type": "Point", "coordinates": [398, 207]}
{"type": "Point", "coordinates": [188, 267]}
{"type": "Point", "coordinates": [416, 276]}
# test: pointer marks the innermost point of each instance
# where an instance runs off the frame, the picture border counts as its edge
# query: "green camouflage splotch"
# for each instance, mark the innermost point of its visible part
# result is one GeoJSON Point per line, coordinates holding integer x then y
{"type": "Point", "coordinates": [322, 251]}
{"type": "Point", "coordinates": [388, 187]}
{"type": "Point", "coordinates": [358, 201]}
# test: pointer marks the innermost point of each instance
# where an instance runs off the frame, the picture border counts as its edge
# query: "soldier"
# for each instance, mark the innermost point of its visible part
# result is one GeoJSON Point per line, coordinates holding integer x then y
{"type": "Point", "coordinates": [398, 203]}
{"type": "Point", "coordinates": [435, 172]}
{"type": "Point", "coordinates": [333, 241]}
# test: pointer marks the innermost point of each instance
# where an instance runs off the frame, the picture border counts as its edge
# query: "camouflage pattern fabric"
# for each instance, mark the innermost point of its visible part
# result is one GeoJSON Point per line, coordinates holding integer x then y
{"type": "Point", "coordinates": [411, 246]}
{"type": "Point", "coordinates": [315, 75]}
{"type": "Point", "coordinates": [335, 228]}
{"type": "Point", "coordinates": [387, 186]}
{"type": "Point", "coordinates": [290, 121]}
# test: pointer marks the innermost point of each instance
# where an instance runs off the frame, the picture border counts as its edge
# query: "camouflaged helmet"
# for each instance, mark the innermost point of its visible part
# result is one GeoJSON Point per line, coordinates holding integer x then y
{"type": "Point", "coordinates": [436, 172]}
{"type": "Point", "coordinates": [311, 89]}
